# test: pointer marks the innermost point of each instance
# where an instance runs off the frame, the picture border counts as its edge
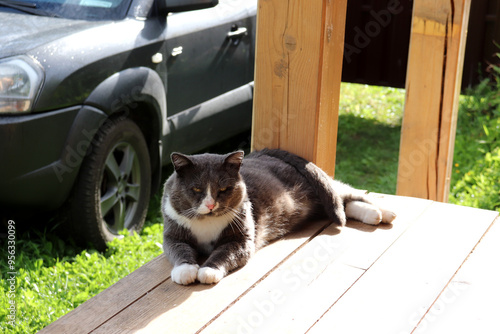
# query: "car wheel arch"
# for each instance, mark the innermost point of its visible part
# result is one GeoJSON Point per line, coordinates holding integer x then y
{"type": "Point", "coordinates": [139, 94]}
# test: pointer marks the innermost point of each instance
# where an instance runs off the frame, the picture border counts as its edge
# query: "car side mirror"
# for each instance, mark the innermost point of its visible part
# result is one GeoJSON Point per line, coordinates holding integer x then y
{"type": "Point", "coordinates": [175, 6]}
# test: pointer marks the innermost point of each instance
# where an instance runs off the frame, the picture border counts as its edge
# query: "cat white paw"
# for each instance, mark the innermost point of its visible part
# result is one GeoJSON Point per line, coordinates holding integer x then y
{"type": "Point", "coordinates": [185, 273]}
{"type": "Point", "coordinates": [207, 275]}
{"type": "Point", "coordinates": [363, 212]}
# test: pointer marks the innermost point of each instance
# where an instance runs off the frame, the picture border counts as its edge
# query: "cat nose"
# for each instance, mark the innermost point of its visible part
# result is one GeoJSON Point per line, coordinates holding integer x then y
{"type": "Point", "coordinates": [209, 202]}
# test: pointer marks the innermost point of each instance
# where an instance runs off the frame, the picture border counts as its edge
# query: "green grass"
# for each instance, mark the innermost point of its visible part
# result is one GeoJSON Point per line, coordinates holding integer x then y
{"type": "Point", "coordinates": [368, 137]}
{"type": "Point", "coordinates": [476, 172]}
{"type": "Point", "coordinates": [54, 276]}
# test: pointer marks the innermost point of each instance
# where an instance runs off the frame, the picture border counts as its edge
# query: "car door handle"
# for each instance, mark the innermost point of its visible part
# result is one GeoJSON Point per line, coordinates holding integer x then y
{"type": "Point", "coordinates": [238, 32]}
{"type": "Point", "coordinates": [176, 51]}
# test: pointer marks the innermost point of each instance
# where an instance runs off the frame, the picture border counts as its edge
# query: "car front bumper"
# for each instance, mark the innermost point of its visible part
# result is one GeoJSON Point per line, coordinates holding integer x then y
{"type": "Point", "coordinates": [40, 155]}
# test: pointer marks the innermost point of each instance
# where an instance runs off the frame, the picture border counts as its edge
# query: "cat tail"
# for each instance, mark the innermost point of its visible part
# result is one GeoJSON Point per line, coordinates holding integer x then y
{"type": "Point", "coordinates": [321, 182]}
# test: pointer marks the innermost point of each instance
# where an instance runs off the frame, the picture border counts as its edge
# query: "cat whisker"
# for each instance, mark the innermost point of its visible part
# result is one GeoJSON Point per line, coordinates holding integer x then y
{"type": "Point", "coordinates": [236, 223]}
{"type": "Point", "coordinates": [189, 213]}
{"type": "Point", "coordinates": [237, 219]}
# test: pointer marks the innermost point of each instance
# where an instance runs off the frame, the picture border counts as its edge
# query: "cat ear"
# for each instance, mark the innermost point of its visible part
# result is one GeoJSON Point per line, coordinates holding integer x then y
{"type": "Point", "coordinates": [180, 161]}
{"type": "Point", "coordinates": [234, 159]}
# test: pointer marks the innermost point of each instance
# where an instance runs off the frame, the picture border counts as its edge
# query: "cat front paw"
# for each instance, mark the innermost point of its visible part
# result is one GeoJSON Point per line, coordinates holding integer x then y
{"type": "Point", "coordinates": [185, 273]}
{"type": "Point", "coordinates": [207, 275]}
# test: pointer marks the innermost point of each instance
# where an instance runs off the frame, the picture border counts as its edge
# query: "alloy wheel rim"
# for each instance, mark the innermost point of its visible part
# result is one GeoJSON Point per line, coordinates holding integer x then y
{"type": "Point", "coordinates": [120, 188]}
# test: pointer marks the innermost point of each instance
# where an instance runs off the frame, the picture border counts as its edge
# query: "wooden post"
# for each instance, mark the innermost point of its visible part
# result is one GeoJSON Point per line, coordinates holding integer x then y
{"type": "Point", "coordinates": [437, 47]}
{"type": "Point", "coordinates": [299, 53]}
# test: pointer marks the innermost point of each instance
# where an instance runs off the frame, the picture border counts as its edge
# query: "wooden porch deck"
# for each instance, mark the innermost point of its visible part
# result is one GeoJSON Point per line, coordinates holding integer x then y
{"type": "Point", "coordinates": [435, 270]}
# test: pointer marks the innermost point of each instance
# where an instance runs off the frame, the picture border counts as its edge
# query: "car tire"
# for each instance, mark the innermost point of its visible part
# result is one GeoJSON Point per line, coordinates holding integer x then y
{"type": "Point", "coordinates": [113, 187]}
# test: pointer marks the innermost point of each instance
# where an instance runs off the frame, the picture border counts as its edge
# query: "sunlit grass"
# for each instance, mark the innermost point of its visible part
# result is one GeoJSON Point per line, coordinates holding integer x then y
{"type": "Point", "coordinates": [381, 104]}
{"type": "Point", "coordinates": [368, 136]}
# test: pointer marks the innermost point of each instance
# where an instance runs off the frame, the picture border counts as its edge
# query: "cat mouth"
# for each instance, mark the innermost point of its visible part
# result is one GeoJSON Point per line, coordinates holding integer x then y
{"type": "Point", "coordinates": [211, 213]}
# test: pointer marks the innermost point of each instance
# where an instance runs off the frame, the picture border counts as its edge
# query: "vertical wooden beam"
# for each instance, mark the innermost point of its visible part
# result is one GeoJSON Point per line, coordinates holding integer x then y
{"type": "Point", "coordinates": [299, 53]}
{"type": "Point", "coordinates": [435, 62]}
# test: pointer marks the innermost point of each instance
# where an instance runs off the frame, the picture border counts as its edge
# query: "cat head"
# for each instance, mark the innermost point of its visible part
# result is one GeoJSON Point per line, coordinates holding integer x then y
{"type": "Point", "coordinates": [207, 185]}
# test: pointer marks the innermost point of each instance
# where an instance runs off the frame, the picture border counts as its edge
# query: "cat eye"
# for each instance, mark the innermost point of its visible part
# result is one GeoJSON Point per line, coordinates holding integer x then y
{"type": "Point", "coordinates": [196, 190]}
{"type": "Point", "coordinates": [222, 189]}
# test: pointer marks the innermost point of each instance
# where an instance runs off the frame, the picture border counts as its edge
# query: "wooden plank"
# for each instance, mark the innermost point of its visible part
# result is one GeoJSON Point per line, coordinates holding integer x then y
{"type": "Point", "coordinates": [111, 301]}
{"type": "Point", "coordinates": [434, 73]}
{"type": "Point", "coordinates": [330, 74]}
{"type": "Point", "coordinates": [290, 301]}
{"type": "Point", "coordinates": [172, 308]}
{"type": "Point", "coordinates": [297, 293]}
{"type": "Point", "coordinates": [299, 51]}
{"type": "Point", "coordinates": [471, 302]}
{"type": "Point", "coordinates": [395, 292]}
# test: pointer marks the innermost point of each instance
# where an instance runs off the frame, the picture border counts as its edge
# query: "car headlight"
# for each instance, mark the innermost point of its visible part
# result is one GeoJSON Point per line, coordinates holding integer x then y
{"type": "Point", "coordinates": [20, 81]}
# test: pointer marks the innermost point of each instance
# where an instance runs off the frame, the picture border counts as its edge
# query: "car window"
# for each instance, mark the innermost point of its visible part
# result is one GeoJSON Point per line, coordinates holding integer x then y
{"type": "Point", "coordinates": [81, 9]}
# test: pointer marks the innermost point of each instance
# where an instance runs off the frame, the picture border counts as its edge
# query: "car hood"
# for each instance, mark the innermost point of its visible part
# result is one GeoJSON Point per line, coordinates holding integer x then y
{"type": "Point", "coordinates": [21, 33]}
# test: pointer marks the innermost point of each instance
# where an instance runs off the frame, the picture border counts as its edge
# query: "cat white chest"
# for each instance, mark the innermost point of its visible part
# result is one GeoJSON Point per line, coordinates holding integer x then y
{"type": "Point", "coordinates": [204, 230]}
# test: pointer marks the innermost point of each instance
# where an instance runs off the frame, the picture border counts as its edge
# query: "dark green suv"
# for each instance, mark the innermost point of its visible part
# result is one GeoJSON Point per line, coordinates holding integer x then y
{"type": "Point", "coordinates": [96, 94]}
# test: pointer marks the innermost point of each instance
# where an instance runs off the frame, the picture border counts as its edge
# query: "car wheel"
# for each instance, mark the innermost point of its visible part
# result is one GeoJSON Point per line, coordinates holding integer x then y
{"type": "Point", "coordinates": [113, 187]}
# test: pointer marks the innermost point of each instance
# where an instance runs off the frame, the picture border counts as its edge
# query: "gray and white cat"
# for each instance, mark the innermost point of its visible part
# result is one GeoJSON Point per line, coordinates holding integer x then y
{"type": "Point", "coordinates": [226, 208]}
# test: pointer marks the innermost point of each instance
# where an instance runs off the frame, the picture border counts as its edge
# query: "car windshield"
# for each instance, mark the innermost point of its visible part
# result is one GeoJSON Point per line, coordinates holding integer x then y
{"type": "Point", "coordinates": [71, 9]}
